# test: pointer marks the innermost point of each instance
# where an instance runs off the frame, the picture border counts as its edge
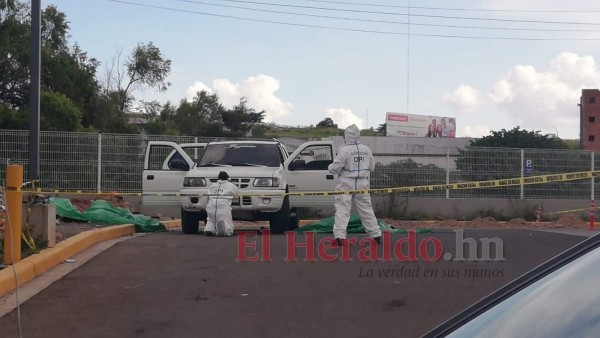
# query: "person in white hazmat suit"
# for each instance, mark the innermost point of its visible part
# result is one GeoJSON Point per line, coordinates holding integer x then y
{"type": "Point", "coordinates": [353, 164]}
{"type": "Point", "coordinates": [218, 210]}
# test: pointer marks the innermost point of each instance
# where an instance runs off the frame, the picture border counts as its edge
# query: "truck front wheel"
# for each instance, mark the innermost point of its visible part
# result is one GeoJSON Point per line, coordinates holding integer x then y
{"type": "Point", "coordinates": [279, 221]}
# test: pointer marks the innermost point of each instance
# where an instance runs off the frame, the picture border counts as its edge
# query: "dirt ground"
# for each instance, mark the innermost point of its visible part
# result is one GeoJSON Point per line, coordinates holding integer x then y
{"type": "Point", "coordinates": [568, 221]}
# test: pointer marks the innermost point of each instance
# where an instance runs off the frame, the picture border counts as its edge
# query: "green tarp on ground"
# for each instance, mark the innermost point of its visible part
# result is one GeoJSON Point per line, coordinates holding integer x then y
{"type": "Point", "coordinates": [354, 226]}
{"type": "Point", "coordinates": [103, 212]}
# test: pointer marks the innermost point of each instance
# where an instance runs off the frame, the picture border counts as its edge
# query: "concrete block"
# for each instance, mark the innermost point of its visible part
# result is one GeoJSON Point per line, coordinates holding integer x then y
{"type": "Point", "coordinates": [42, 222]}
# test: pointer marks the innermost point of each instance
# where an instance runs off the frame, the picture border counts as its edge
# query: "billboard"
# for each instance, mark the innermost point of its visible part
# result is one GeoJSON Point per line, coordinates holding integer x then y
{"type": "Point", "coordinates": [411, 125]}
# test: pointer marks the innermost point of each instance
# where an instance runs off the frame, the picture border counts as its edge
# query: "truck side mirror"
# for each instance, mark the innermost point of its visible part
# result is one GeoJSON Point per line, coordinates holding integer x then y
{"type": "Point", "coordinates": [179, 164]}
{"type": "Point", "coordinates": [297, 165]}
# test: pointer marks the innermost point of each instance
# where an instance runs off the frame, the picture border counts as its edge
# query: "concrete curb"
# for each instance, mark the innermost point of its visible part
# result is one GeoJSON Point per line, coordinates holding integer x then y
{"type": "Point", "coordinates": [36, 264]}
{"type": "Point", "coordinates": [176, 223]}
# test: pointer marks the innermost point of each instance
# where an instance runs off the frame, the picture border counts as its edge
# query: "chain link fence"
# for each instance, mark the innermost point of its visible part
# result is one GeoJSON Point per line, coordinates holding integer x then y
{"type": "Point", "coordinates": [461, 165]}
{"type": "Point", "coordinates": [114, 162]}
{"type": "Point", "coordinates": [84, 161]}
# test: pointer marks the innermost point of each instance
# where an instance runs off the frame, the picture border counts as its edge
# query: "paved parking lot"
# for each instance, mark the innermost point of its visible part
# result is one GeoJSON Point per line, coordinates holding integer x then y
{"type": "Point", "coordinates": [174, 285]}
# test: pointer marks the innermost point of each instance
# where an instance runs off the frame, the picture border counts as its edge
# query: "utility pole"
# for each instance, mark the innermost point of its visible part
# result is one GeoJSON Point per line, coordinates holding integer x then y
{"type": "Point", "coordinates": [408, 62]}
{"type": "Point", "coordinates": [34, 90]}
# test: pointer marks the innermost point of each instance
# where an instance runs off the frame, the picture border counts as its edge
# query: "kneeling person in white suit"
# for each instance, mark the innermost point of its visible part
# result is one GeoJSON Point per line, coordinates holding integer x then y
{"type": "Point", "coordinates": [218, 210]}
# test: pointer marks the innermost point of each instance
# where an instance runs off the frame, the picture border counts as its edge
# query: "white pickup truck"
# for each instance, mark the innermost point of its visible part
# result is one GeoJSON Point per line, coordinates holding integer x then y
{"type": "Point", "coordinates": [257, 167]}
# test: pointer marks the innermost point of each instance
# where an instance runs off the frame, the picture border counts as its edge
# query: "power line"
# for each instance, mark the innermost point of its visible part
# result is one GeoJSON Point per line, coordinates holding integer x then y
{"type": "Point", "coordinates": [405, 14]}
{"type": "Point", "coordinates": [457, 9]}
{"type": "Point", "coordinates": [348, 29]}
{"type": "Point", "coordinates": [386, 21]}
{"type": "Point", "coordinates": [408, 62]}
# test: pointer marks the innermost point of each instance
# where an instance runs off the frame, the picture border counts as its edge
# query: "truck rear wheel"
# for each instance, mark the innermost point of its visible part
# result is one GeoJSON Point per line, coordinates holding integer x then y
{"type": "Point", "coordinates": [190, 221]}
{"type": "Point", "coordinates": [279, 221]}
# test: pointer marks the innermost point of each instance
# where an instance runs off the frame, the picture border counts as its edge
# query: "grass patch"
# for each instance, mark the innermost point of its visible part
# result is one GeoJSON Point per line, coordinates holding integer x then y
{"type": "Point", "coordinates": [308, 132]}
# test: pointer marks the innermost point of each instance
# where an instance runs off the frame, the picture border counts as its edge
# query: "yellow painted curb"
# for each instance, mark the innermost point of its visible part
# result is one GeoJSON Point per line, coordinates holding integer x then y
{"type": "Point", "coordinates": [37, 264]}
{"type": "Point", "coordinates": [25, 272]}
{"type": "Point", "coordinates": [176, 223]}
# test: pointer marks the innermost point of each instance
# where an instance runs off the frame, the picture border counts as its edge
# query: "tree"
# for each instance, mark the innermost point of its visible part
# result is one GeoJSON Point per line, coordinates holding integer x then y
{"type": "Point", "coordinates": [65, 70]}
{"type": "Point", "coordinates": [59, 113]}
{"type": "Point", "coordinates": [14, 58]}
{"type": "Point", "coordinates": [327, 123]}
{"type": "Point", "coordinates": [202, 116]}
{"type": "Point", "coordinates": [241, 118]}
{"type": "Point", "coordinates": [381, 130]}
{"type": "Point", "coordinates": [7, 5]}
{"type": "Point", "coordinates": [520, 138]}
{"type": "Point", "coordinates": [11, 118]}
{"type": "Point", "coordinates": [145, 67]}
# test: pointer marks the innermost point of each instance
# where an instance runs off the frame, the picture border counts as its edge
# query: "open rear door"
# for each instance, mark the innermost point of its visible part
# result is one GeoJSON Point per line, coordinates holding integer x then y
{"type": "Point", "coordinates": [165, 166]}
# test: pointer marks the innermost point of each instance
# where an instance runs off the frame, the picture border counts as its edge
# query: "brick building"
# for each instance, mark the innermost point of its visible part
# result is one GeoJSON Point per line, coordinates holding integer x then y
{"type": "Point", "coordinates": [589, 119]}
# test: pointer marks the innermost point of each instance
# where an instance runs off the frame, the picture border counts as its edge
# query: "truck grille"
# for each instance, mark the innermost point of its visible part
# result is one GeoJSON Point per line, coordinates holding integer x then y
{"type": "Point", "coordinates": [241, 183]}
{"type": "Point", "coordinates": [246, 200]}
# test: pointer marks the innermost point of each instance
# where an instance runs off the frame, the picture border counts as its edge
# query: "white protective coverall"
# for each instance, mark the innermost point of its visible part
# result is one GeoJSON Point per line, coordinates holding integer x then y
{"type": "Point", "coordinates": [218, 209]}
{"type": "Point", "coordinates": [353, 164]}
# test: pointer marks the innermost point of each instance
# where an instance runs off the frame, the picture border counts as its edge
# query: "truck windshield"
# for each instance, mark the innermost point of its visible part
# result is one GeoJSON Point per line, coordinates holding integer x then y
{"type": "Point", "coordinates": [241, 154]}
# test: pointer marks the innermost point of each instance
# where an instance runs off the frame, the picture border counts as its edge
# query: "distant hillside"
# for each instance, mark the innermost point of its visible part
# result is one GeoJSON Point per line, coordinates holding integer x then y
{"type": "Point", "coordinates": [277, 131]}
{"type": "Point", "coordinates": [309, 132]}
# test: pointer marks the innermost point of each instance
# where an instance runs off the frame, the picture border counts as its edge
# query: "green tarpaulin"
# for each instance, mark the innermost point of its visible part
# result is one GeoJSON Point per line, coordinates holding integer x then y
{"type": "Point", "coordinates": [103, 212]}
{"type": "Point", "coordinates": [354, 226]}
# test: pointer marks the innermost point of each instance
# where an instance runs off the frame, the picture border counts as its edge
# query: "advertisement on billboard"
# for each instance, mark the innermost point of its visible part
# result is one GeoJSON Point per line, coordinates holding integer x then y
{"type": "Point", "coordinates": [411, 125]}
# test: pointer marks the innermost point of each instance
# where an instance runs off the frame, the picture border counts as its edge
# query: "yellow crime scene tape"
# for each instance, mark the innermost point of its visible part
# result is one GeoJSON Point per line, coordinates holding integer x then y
{"type": "Point", "coordinates": [564, 211]}
{"type": "Point", "coordinates": [502, 183]}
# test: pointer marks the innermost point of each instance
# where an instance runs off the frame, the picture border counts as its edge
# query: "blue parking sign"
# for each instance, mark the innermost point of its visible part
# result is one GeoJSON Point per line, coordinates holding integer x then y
{"type": "Point", "coordinates": [528, 166]}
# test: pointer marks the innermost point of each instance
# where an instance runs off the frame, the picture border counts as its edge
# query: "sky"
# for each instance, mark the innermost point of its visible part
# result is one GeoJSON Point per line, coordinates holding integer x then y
{"type": "Point", "coordinates": [491, 64]}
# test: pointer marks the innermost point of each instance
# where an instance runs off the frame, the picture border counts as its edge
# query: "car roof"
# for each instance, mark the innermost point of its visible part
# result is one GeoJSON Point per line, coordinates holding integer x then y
{"type": "Point", "coordinates": [246, 142]}
{"type": "Point", "coordinates": [515, 286]}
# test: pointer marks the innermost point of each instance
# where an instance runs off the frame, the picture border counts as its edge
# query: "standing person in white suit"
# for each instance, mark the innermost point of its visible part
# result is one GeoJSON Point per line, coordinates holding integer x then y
{"type": "Point", "coordinates": [353, 164]}
{"type": "Point", "coordinates": [218, 210]}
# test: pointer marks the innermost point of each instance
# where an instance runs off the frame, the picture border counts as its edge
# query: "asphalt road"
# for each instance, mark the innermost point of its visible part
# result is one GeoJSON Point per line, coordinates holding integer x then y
{"type": "Point", "coordinates": [175, 285]}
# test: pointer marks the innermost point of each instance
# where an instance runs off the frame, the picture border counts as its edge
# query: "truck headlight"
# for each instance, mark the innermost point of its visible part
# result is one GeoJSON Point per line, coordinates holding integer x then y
{"type": "Point", "coordinates": [266, 182]}
{"type": "Point", "coordinates": [194, 182]}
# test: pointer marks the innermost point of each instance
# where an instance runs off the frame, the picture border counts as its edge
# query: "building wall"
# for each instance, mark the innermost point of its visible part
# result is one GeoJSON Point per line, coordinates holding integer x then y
{"type": "Point", "coordinates": [590, 119]}
{"type": "Point", "coordinates": [423, 150]}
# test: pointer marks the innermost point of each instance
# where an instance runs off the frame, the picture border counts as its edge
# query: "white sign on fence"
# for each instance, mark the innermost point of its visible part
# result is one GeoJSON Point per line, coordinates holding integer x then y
{"type": "Point", "coordinates": [411, 125]}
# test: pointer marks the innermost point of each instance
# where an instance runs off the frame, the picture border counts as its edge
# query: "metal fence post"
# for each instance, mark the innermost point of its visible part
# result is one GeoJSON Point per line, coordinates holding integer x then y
{"type": "Point", "coordinates": [447, 170]}
{"type": "Point", "coordinates": [195, 149]}
{"type": "Point", "coordinates": [99, 180]}
{"type": "Point", "coordinates": [522, 172]}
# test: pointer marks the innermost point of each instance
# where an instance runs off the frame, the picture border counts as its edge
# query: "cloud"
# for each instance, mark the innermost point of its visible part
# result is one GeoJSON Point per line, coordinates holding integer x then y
{"type": "Point", "coordinates": [197, 87]}
{"type": "Point", "coordinates": [464, 99]}
{"type": "Point", "coordinates": [344, 118]}
{"type": "Point", "coordinates": [475, 131]}
{"type": "Point", "coordinates": [260, 91]}
{"type": "Point", "coordinates": [545, 98]}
